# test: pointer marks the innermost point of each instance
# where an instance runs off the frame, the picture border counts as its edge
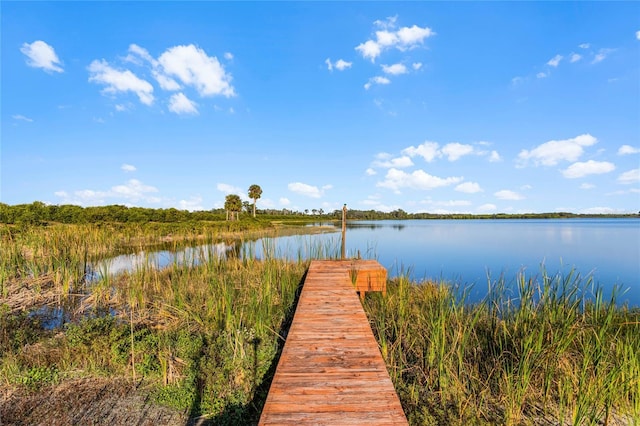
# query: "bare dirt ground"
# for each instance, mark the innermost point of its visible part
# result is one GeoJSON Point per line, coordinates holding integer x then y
{"type": "Point", "coordinates": [87, 402]}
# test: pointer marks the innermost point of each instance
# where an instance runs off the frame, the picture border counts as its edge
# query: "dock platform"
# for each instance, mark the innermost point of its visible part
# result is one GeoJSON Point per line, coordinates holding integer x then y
{"type": "Point", "coordinates": [331, 371]}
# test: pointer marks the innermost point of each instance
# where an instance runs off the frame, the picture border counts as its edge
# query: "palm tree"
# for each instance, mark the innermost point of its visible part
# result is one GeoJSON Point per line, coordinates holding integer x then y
{"type": "Point", "coordinates": [232, 203]}
{"type": "Point", "coordinates": [254, 193]}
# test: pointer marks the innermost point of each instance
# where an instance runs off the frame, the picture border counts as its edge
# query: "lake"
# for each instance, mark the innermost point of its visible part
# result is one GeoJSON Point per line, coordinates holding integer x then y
{"type": "Point", "coordinates": [467, 253]}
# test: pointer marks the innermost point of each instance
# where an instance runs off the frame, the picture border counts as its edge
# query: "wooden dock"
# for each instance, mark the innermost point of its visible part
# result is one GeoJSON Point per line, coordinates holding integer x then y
{"type": "Point", "coordinates": [331, 371]}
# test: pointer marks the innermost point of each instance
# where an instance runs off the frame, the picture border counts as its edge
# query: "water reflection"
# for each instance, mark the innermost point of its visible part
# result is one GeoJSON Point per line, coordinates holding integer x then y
{"type": "Point", "coordinates": [188, 256]}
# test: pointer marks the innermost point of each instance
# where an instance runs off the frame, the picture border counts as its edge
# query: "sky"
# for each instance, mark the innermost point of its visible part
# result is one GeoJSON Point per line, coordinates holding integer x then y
{"type": "Point", "coordinates": [441, 107]}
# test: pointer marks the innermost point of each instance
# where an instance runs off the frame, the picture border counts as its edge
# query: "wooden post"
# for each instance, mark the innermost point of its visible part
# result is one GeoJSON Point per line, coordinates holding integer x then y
{"type": "Point", "coordinates": [344, 231]}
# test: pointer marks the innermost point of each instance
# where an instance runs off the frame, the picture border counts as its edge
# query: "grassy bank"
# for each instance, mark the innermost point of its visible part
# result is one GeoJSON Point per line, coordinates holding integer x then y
{"type": "Point", "coordinates": [539, 355]}
{"type": "Point", "coordinates": [205, 338]}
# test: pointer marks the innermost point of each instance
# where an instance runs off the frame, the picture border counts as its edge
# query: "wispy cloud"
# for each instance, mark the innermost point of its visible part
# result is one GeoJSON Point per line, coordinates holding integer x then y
{"type": "Point", "coordinates": [180, 104]}
{"type": "Point", "coordinates": [20, 117]}
{"type": "Point", "coordinates": [128, 168]}
{"type": "Point", "coordinates": [469, 187]}
{"type": "Point", "coordinates": [131, 191]}
{"type": "Point", "coordinates": [41, 55]}
{"type": "Point", "coordinates": [308, 190]}
{"type": "Point", "coordinates": [627, 178]}
{"type": "Point", "coordinates": [387, 37]}
{"type": "Point", "coordinates": [553, 62]}
{"type": "Point", "coordinates": [628, 150]}
{"type": "Point", "coordinates": [229, 189]}
{"type": "Point", "coordinates": [602, 55]}
{"type": "Point", "coordinates": [395, 69]}
{"type": "Point", "coordinates": [396, 179]}
{"type": "Point", "coordinates": [591, 167]}
{"type": "Point", "coordinates": [552, 152]}
{"type": "Point", "coordinates": [506, 194]}
{"type": "Point", "coordinates": [376, 80]}
{"type": "Point", "coordinates": [340, 64]}
{"type": "Point", "coordinates": [120, 81]}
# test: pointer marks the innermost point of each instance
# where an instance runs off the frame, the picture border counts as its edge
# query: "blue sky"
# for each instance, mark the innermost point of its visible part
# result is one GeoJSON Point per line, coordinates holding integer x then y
{"type": "Point", "coordinates": [483, 107]}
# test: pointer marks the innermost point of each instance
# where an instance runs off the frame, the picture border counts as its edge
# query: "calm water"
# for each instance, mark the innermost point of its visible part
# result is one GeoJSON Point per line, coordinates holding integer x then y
{"type": "Point", "coordinates": [464, 252]}
{"type": "Point", "coordinates": [467, 252]}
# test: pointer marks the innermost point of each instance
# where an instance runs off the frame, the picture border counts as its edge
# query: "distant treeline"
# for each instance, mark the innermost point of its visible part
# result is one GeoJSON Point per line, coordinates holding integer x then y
{"type": "Point", "coordinates": [40, 213]}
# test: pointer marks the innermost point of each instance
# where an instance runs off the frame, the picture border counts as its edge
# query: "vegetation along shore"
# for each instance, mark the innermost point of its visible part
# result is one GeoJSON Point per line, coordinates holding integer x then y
{"type": "Point", "coordinates": [197, 343]}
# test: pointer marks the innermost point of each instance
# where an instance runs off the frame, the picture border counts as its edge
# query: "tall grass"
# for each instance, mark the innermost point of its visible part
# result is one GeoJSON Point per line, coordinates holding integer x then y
{"type": "Point", "coordinates": [545, 353]}
{"type": "Point", "coordinates": [206, 328]}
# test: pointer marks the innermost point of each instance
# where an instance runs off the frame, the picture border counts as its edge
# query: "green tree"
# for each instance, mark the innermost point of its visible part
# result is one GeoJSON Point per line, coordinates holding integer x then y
{"type": "Point", "coordinates": [255, 192]}
{"type": "Point", "coordinates": [232, 204]}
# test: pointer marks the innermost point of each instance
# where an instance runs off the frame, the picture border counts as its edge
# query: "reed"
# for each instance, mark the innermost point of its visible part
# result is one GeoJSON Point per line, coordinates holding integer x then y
{"type": "Point", "coordinates": [538, 350]}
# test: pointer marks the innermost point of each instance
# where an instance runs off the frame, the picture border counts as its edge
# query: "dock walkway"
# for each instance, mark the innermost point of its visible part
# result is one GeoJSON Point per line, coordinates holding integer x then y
{"type": "Point", "coordinates": [331, 371]}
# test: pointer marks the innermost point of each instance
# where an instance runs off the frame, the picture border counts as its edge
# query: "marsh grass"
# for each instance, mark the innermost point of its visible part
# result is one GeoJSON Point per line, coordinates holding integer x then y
{"type": "Point", "coordinates": [549, 348]}
{"type": "Point", "coordinates": [539, 350]}
{"type": "Point", "coordinates": [206, 330]}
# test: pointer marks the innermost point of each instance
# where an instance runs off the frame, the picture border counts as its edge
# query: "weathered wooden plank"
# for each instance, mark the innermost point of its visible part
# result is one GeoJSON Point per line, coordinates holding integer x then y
{"type": "Point", "coordinates": [331, 370]}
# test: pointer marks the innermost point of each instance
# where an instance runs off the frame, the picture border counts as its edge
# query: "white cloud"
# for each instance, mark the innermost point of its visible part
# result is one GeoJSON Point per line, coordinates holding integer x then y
{"type": "Point", "coordinates": [228, 189]}
{"type": "Point", "coordinates": [395, 69]}
{"type": "Point", "coordinates": [284, 201]}
{"type": "Point", "coordinates": [180, 104]}
{"type": "Point", "coordinates": [591, 167]}
{"type": "Point", "coordinates": [21, 117]}
{"type": "Point", "coordinates": [128, 168]}
{"type": "Point", "coordinates": [416, 65]}
{"type": "Point", "coordinates": [120, 81]}
{"type": "Point", "coordinates": [637, 35]}
{"type": "Point", "coordinates": [508, 195]}
{"type": "Point", "coordinates": [194, 67]}
{"type": "Point", "coordinates": [370, 172]}
{"type": "Point", "coordinates": [376, 80]}
{"type": "Point", "coordinates": [131, 191]}
{"type": "Point", "coordinates": [136, 53]}
{"type": "Point", "coordinates": [419, 179]}
{"type": "Point", "coordinates": [487, 208]}
{"type": "Point", "coordinates": [553, 62]}
{"type": "Point", "coordinates": [41, 55]}
{"type": "Point", "coordinates": [598, 210]}
{"type": "Point", "coordinates": [628, 149]}
{"type": "Point", "coordinates": [194, 203]}
{"type": "Point", "coordinates": [410, 37]}
{"type": "Point", "coordinates": [307, 190]}
{"type": "Point", "coordinates": [601, 55]}
{"type": "Point", "coordinates": [494, 157]}
{"type": "Point", "coordinates": [516, 81]}
{"type": "Point", "coordinates": [469, 187]}
{"type": "Point", "coordinates": [340, 64]}
{"type": "Point", "coordinates": [542, 75]}
{"type": "Point", "coordinates": [329, 64]}
{"type": "Point", "coordinates": [632, 176]}
{"type": "Point", "coordinates": [228, 56]}
{"type": "Point", "coordinates": [587, 186]}
{"type": "Point", "coordinates": [584, 46]}
{"type": "Point", "coordinates": [400, 162]}
{"type": "Point", "coordinates": [455, 150]}
{"type": "Point", "coordinates": [403, 39]}
{"type": "Point", "coordinates": [552, 152]}
{"type": "Point", "coordinates": [575, 57]}
{"type": "Point", "coordinates": [427, 150]}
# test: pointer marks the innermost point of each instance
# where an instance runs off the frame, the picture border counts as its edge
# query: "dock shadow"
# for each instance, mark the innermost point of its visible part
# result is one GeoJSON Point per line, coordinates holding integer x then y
{"type": "Point", "coordinates": [249, 413]}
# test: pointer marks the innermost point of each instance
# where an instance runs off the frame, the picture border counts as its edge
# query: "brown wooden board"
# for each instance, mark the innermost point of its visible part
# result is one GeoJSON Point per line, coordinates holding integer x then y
{"type": "Point", "coordinates": [331, 371]}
